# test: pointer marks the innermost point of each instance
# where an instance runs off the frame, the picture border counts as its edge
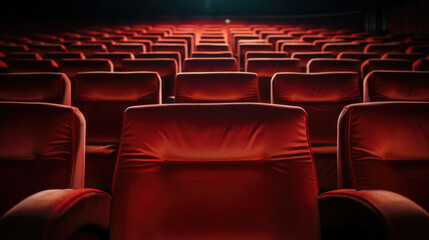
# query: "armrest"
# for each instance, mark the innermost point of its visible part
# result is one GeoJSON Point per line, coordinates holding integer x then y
{"type": "Point", "coordinates": [371, 214]}
{"type": "Point", "coordinates": [58, 214]}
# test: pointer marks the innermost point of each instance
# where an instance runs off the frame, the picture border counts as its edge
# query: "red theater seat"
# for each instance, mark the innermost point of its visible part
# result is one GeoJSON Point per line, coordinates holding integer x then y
{"type": "Point", "coordinates": [45, 48]}
{"type": "Point", "coordinates": [382, 48]}
{"type": "Point", "coordinates": [31, 65]}
{"type": "Point", "coordinates": [396, 86]}
{"type": "Point", "coordinates": [180, 48]}
{"type": "Point", "coordinates": [407, 56]}
{"type": "Point", "coordinates": [173, 55]}
{"type": "Point", "coordinates": [165, 67]}
{"type": "Point", "coordinates": [333, 65]}
{"type": "Point", "coordinates": [254, 47]}
{"type": "Point", "coordinates": [384, 146]}
{"type": "Point", "coordinates": [385, 64]}
{"type": "Point", "coordinates": [213, 173]}
{"type": "Point", "coordinates": [147, 43]}
{"type": "Point", "coordinates": [264, 54]}
{"type": "Point", "coordinates": [266, 68]}
{"type": "Point", "coordinates": [102, 98]}
{"type": "Point", "coordinates": [7, 48]}
{"type": "Point", "coordinates": [218, 54]}
{"type": "Point", "coordinates": [3, 67]}
{"type": "Point", "coordinates": [290, 48]}
{"type": "Point", "coordinates": [88, 48]}
{"type": "Point", "coordinates": [216, 87]}
{"type": "Point", "coordinates": [35, 87]}
{"type": "Point", "coordinates": [134, 48]}
{"type": "Point", "coordinates": [210, 65]}
{"type": "Point", "coordinates": [421, 65]}
{"type": "Point", "coordinates": [115, 57]}
{"type": "Point", "coordinates": [424, 49]}
{"type": "Point", "coordinates": [361, 56]}
{"type": "Point", "coordinates": [22, 55]}
{"type": "Point", "coordinates": [42, 147]}
{"type": "Point", "coordinates": [212, 47]}
{"type": "Point", "coordinates": [336, 48]}
{"type": "Point", "coordinates": [305, 57]}
{"type": "Point", "coordinates": [57, 56]}
{"type": "Point", "coordinates": [73, 66]}
{"type": "Point", "coordinates": [323, 96]}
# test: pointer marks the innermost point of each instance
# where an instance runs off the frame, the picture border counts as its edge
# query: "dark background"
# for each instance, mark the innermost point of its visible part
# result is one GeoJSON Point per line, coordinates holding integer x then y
{"type": "Point", "coordinates": [396, 15]}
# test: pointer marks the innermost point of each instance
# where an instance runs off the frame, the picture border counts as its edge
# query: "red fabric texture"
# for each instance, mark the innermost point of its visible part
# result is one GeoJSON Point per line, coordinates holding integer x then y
{"type": "Point", "coordinates": [218, 170]}
{"type": "Point", "coordinates": [42, 148]}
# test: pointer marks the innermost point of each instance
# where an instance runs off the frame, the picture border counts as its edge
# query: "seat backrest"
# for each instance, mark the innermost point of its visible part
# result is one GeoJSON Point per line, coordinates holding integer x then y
{"type": "Point", "coordinates": [210, 65]}
{"type": "Point", "coordinates": [419, 49]}
{"type": "Point", "coordinates": [305, 57]}
{"type": "Point", "coordinates": [216, 171]}
{"type": "Point", "coordinates": [290, 48]}
{"type": "Point", "coordinates": [396, 86]}
{"type": "Point", "coordinates": [57, 56]}
{"type": "Point", "coordinates": [23, 55]}
{"type": "Point", "coordinates": [264, 54]}
{"type": "Point", "coordinates": [31, 65]}
{"type": "Point", "coordinates": [165, 67]}
{"type": "Point", "coordinates": [384, 146]}
{"type": "Point", "coordinates": [421, 65]}
{"type": "Point", "coordinates": [333, 65]}
{"type": "Point", "coordinates": [115, 57]}
{"type": "Point", "coordinates": [382, 48]}
{"type": "Point", "coordinates": [45, 48]}
{"type": "Point", "coordinates": [42, 147]}
{"type": "Point", "coordinates": [217, 54]}
{"type": "Point", "coordinates": [73, 66]}
{"type": "Point", "coordinates": [88, 48]}
{"type": "Point", "coordinates": [212, 47]}
{"type": "Point", "coordinates": [408, 56]}
{"type": "Point", "coordinates": [174, 55]}
{"type": "Point", "coordinates": [216, 87]}
{"type": "Point", "coordinates": [322, 95]}
{"type": "Point", "coordinates": [170, 47]}
{"type": "Point", "coordinates": [385, 64]}
{"type": "Point", "coordinates": [103, 97]}
{"type": "Point", "coordinates": [134, 48]}
{"type": "Point", "coordinates": [35, 87]}
{"type": "Point", "coordinates": [245, 47]}
{"type": "Point", "coordinates": [336, 48]}
{"type": "Point", "coordinates": [3, 67]}
{"type": "Point", "coordinates": [361, 56]}
{"type": "Point", "coordinates": [266, 68]}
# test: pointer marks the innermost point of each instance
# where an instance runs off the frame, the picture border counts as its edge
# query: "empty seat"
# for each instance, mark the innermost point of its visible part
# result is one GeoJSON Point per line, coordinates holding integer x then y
{"type": "Point", "coordinates": [6, 48]}
{"type": "Point", "coordinates": [180, 48]}
{"type": "Point", "coordinates": [45, 48]}
{"type": "Point", "coordinates": [165, 67]}
{"type": "Point", "coordinates": [212, 47]}
{"type": "Point", "coordinates": [266, 68]}
{"type": "Point", "coordinates": [134, 48]}
{"type": "Point", "coordinates": [385, 64]}
{"type": "Point", "coordinates": [382, 48]}
{"type": "Point", "coordinates": [396, 86]}
{"type": "Point", "coordinates": [173, 55]}
{"type": "Point", "coordinates": [102, 98]}
{"type": "Point", "coordinates": [115, 57]}
{"type": "Point", "coordinates": [323, 96]}
{"type": "Point", "coordinates": [210, 65]}
{"type": "Point", "coordinates": [384, 146]}
{"type": "Point", "coordinates": [73, 66]}
{"type": "Point", "coordinates": [22, 55]}
{"type": "Point", "coordinates": [361, 56]}
{"type": "Point", "coordinates": [290, 48]}
{"type": "Point", "coordinates": [3, 67]}
{"type": "Point", "coordinates": [147, 43]}
{"type": "Point", "coordinates": [305, 57]}
{"type": "Point", "coordinates": [413, 49]}
{"type": "Point", "coordinates": [35, 87]}
{"type": "Point", "coordinates": [333, 65]}
{"type": "Point", "coordinates": [42, 147]}
{"type": "Point", "coordinates": [217, 54]}
{"type": "Point", "coordinates": [408, 56]}
{"type": "Point", "coordinates": [88, 48]}
{"type": "Point", "coordinates": [421, 65]}
{"type": "Point", "coordinates": [336, 48]}
{"type": "Point", "coordinates": [216, 87]}
{"type": "Point", "coordinates": [57, 56]}
{"type": "Point", "coordinates": [32, 65]}
{"type": "Point", "coordinates": [264, 54]}
{"type": "Point", "coordinates": [246, 47]}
